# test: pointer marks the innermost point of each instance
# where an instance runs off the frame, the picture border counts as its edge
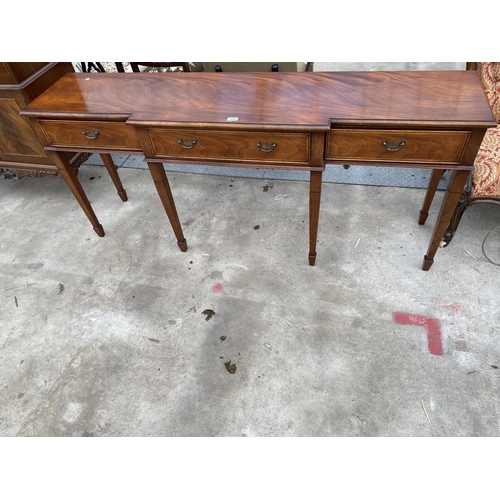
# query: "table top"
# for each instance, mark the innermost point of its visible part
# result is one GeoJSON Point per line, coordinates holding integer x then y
{"type": "Point", "coordinates": [288, 101]}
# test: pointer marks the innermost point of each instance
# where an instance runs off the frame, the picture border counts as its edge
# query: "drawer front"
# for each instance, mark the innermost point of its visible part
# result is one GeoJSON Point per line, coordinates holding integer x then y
{"type": "Point", "coordinates": [91, 134]}
{"type": "Point", "coordinates": [246, 147]}
{"type": "Point", "coordinates": [411, 146]}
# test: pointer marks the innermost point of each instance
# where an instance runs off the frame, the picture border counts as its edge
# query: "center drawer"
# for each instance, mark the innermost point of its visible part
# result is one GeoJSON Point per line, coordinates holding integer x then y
{"type": "Point", "coordinates": [245, 147]}
{"type": "Point", "coordinates": [91, 134]}
{"type": "Point", "coordinates": [411, 146]}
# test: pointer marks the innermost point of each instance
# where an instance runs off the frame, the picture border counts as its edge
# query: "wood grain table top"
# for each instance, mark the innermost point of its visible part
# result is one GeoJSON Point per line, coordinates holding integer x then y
{"type": "Point", "coordinates": [287, 101]}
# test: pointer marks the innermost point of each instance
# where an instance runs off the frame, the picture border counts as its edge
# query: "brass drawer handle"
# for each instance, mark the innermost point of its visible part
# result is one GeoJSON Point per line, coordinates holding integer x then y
{"type": "Point", "coordinates": [186, 143]}
{"type": "Point", "coordinates": [267, 148]}
{"type": "Point", "coordinates": [393, 146]}
{"type": "Point", "coordinates": [90, 135]}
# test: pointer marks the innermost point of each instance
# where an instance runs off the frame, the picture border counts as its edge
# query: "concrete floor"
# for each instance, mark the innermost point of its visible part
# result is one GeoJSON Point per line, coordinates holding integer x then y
{"type": "Point", "coordinates": [107, 336]}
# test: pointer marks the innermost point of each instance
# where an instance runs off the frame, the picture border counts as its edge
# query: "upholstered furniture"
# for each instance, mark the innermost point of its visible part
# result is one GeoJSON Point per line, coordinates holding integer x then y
{"type": "Point", "coordinates": [136, 69]}
{"type": "Point", "coordinates": [227, 67]}
{"type": "Point", "coordinates": [483, 185]}
{"type": "Point", "coordinates": [87, 67]}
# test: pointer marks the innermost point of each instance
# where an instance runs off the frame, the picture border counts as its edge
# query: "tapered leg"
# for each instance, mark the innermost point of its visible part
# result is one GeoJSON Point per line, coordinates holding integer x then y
{"type": "Point", "coordinates": [163, 188]}
{"type": "Point", "coordinates": [314, 204]}
{"type": "Point", "coordinates": [448, 206]}
{"type": "Point", "coordinates": [111, 168]}
{"type": "Point", "coordinates": [429, 194]}
{"type": "Point", "coordinates": [69, 175]}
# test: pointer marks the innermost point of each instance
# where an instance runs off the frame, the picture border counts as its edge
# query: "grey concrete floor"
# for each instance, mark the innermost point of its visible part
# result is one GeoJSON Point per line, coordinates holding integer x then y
{"type": "Point", "coordinates": [107, 336]}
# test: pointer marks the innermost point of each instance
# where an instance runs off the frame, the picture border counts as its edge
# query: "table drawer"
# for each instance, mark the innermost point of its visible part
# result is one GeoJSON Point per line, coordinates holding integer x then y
{"type": "Point", "coordinates": [412, 146]}
{"type": "Point", "coordinates": [91, 134]}
{"type": "Point", "coordinates": [246, 147]}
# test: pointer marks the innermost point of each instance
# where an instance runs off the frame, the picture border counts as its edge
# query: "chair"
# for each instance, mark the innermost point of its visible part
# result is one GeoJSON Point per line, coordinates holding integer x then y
{"type": "Point", "coordinates": [136, 69]}
{"type": "Point", "coordinates": [87, 67]}
{"type": "Point", "coordinates": [135, 65]}
{"type": "Point", "coordinates": [227, 67]}
{"type": "Point", "coordinates": [483, 185]}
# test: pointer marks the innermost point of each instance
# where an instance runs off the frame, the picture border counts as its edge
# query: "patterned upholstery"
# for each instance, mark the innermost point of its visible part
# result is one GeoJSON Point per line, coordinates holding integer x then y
{"type": "Point", "coordinates": [490, 76]}
{"type": "Point", "coordinates": [486, 174]}
{"type": "Point", "coordinates": [484, 182]}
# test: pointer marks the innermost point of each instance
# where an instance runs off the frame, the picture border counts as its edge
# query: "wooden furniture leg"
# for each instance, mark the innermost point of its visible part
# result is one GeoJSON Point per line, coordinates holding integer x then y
{"type": "Point", "coordinates": [429, 194]}
{"type": "Point", "coordinates": [163, 188]}
{"type": "Point", "coordinates": [314, 204]}
{"type": "Point", "coordinates": [71, 178]}
{"type": "Point", "coordinates": [448, 206]}
{"type": "Point", "coordinates": [111, 168]}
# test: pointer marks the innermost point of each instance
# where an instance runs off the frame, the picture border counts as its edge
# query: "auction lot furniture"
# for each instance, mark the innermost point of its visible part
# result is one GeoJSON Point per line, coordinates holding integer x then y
{"type": "Point", "coordinates": [297, 121]}
{"type": "Point", "coordinates": [21, 153]}
{"type": "Point", "coordinates": [221, 67]}
{"type": "Point", "coordinates": [483, 185]}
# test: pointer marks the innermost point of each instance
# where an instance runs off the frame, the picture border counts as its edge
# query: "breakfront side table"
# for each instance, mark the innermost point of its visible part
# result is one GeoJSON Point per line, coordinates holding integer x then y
{"type": "Point", "coordinates": [297, 121]}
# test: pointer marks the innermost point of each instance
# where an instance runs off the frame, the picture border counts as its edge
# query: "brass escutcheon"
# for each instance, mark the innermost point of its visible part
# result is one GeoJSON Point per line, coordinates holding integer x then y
{"type": "Point", "coordinates": [393, 146]}
{"type": "Point", "coordinates": [186, 143]}
{"type": "Point", "coordinates": [267, 148]}
{"type": "Point", "coordinates": [90, 135]}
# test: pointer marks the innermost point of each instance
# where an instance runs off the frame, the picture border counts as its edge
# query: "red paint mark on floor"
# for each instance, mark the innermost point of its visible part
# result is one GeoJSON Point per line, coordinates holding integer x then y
{"type": "Point", "coordinates": [455, 324]}
{"type": "Point", "coordinates": [217, 287]}
{"type": "Point", "coordinates": [433, 329]}
{"type": "Point", "coordinates": [453, 307]}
